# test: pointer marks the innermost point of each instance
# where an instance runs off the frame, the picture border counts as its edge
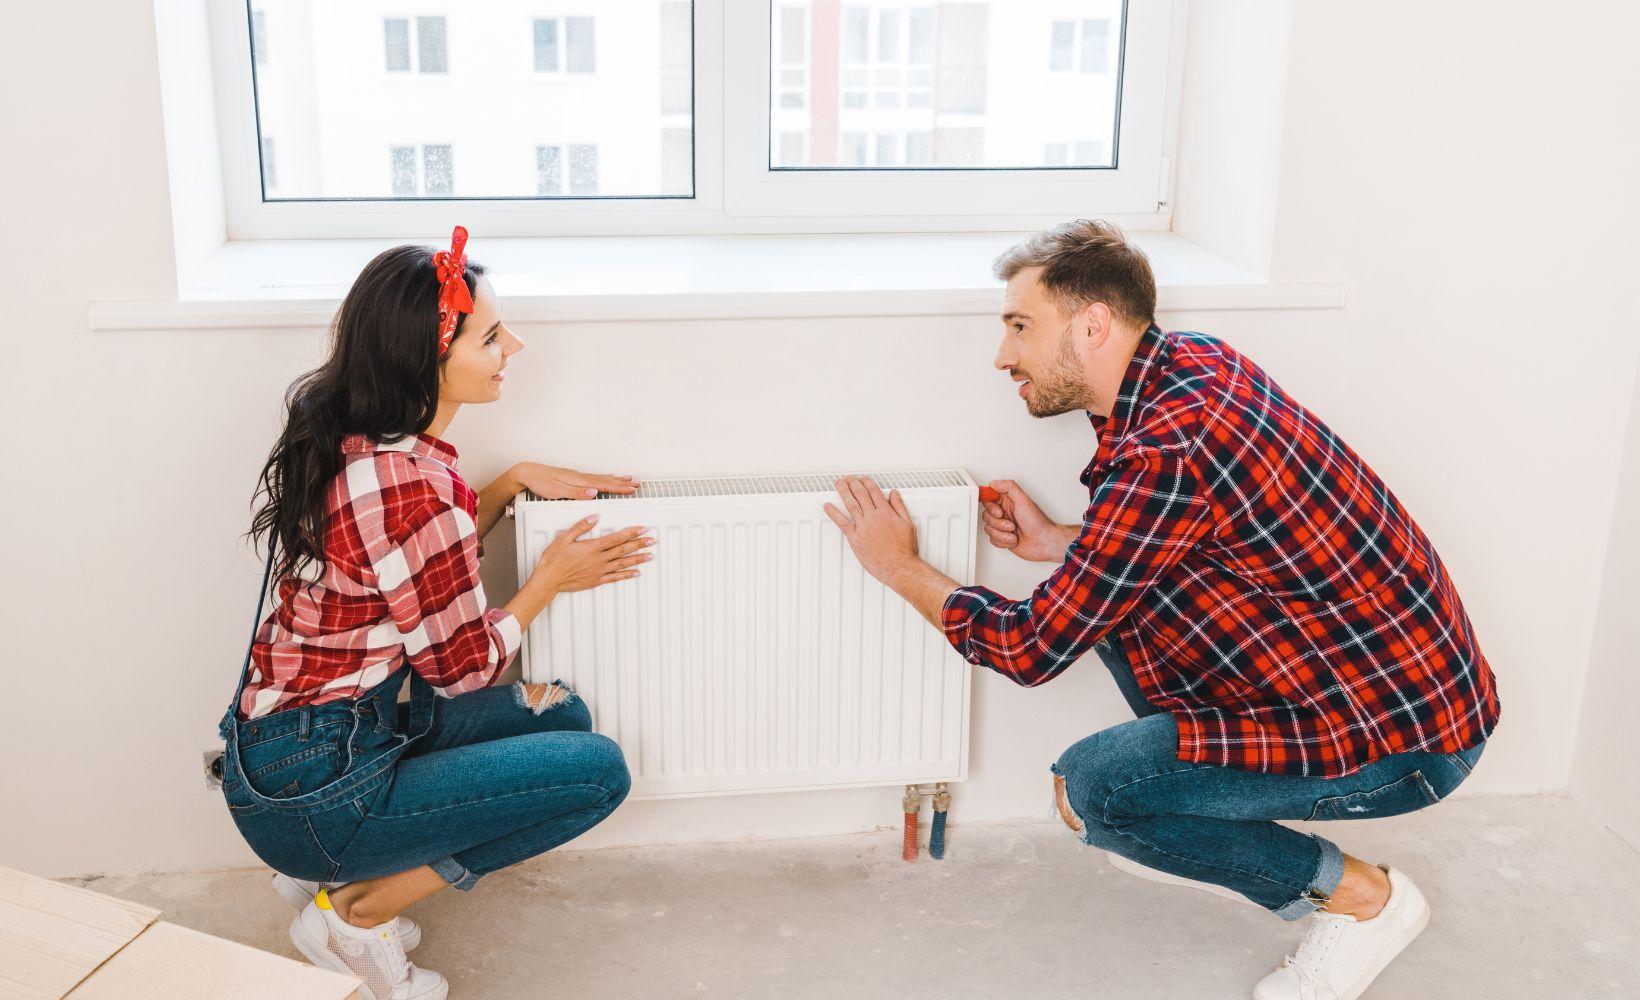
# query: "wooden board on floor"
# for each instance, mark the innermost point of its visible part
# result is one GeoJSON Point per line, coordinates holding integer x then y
{"type": "Point", "coordinates": [170, 962]}
{"type": "Point", "coordinates": [53, 935]}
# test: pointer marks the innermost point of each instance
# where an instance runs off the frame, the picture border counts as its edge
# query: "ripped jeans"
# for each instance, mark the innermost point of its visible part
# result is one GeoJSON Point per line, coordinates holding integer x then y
{"type": "Point", "coordinates": [346, 791]}
{"type": "Point", "coordinates": [1214, 824]}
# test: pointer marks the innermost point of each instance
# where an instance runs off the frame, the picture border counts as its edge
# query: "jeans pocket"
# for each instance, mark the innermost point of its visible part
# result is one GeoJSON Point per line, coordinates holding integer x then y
{"type": "Point", "coordinates": [1406, 794]}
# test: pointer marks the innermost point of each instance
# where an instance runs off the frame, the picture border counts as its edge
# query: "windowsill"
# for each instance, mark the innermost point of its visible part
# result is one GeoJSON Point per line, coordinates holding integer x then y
{"type": "Point", "coordinates": [279, 284]}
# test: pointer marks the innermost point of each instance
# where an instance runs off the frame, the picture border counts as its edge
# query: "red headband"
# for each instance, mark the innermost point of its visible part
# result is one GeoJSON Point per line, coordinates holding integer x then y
{"type": "Point", "coordinates": [453, 295]}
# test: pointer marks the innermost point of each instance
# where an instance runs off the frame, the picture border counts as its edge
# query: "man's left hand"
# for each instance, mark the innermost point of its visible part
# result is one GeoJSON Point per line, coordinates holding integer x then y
{"type": "Point", "coordinates": [878, 527]}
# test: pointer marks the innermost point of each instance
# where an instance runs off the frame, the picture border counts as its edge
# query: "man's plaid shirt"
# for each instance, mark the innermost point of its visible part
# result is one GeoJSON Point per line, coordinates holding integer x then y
{"type": "Point", "coordinates": [399, 584]}
{"type": "Point", "coordinates": [1269, 590]}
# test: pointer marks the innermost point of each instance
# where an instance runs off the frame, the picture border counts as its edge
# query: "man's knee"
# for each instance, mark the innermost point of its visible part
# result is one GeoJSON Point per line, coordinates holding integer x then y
{"type": "Point", "coordinates": [1066, 814]}
{"type": "Point", "coordinates": [1091, 772]}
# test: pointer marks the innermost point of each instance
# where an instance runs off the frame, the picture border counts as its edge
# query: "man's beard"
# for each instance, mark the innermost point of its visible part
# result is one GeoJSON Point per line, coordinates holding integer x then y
{"type": "Point", "coordinates": [1061, 386]}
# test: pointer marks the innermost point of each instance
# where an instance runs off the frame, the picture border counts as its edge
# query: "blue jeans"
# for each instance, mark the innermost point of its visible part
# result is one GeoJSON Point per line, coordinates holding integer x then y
{"type": "Point", "coordinates": [356, 790]}
{"type": "Point", "coordinates": [1214, 824]}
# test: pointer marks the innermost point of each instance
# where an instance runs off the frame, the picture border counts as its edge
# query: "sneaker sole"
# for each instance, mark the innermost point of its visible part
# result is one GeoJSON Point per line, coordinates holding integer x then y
{"type": "Point", "coordinates": [1134, 868]}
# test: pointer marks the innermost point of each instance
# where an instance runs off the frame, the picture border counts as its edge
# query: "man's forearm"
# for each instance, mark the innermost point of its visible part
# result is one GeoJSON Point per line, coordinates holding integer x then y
{"type": "Point", "coordinates": [924, 588]}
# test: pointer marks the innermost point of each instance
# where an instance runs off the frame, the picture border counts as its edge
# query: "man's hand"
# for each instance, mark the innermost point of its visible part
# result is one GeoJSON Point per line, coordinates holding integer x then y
{"type": "Point", "coordinates": [1017, 524]}
{"type": "Point", "coordinates": [553, 483]}
{"type": "Point", "coordinates": [877, 527]}
{"type": "Point", "coordinates": [884, 539]}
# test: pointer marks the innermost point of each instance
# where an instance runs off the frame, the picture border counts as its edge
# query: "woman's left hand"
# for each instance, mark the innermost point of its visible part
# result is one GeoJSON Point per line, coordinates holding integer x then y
{"type": "Point", "coordinates": [552, 483]}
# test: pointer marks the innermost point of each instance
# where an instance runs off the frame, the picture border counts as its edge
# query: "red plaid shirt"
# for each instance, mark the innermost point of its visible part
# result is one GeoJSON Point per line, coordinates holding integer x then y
{"type": "Point", "coordinates": [1269, 590]}
{"type": "Point", "coordinates": [400, 583]}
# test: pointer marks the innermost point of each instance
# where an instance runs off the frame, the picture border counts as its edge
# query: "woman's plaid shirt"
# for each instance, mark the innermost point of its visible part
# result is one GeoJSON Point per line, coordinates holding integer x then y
{"type": "Point", "coordinates": [400, 583]}
{"type": "Point", "coordinates": [1270, 592]}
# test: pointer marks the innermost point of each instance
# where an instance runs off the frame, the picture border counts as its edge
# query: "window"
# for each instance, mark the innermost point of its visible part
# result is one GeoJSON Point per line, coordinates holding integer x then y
{"type": "Point", "coordinates": [582, 173]}
{"type": "Point", "coordinates": [430, 46]}
{"type": "Point", "coordinates": [703, 116]}
{"type": "Point", "coordinates": [579, 55]}
{"type": "Point", "coordinates": [431, 174]}
{"type": "Point", "coordinates": [1080, 46]}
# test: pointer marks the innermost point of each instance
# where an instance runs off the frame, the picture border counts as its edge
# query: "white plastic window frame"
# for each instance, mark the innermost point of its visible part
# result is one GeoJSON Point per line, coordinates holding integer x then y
{"type": "Point", "coordinates": [736, 191]}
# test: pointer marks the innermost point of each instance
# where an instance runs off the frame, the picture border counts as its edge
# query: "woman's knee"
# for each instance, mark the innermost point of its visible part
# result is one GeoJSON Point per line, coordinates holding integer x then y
{"type": "Point", "coordinates": [556, 705]}
{"type": "Point", "coordinates": [604, 764]}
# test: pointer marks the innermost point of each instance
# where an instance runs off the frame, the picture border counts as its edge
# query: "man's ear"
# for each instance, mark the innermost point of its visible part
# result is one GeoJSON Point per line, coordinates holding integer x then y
{"type": "Point", "coordinates": [1099, 321]}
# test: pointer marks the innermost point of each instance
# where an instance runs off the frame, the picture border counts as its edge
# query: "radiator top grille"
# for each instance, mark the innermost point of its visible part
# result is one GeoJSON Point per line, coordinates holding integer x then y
{"type": "Point", "coordinates": [818, 482]}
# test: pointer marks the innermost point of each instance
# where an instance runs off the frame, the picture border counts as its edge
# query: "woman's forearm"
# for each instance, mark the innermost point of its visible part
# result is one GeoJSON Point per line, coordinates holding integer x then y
{"type": "Point", "coordinates": [493, 500]}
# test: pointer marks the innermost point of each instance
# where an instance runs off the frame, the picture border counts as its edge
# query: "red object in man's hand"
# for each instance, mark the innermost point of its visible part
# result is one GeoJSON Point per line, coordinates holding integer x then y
{"type": "Point", "coordinates": [988, 495]}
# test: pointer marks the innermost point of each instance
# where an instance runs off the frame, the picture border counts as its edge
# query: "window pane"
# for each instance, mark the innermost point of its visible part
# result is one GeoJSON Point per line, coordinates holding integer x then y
{"type": "Point", "coordinates": [922, 36]}
{"type": "Point", "coordinates": [546, 46]}
{"type": "Point", "coordinates": [430, 53]}
{"type": "Point", "coordinates": [578, 38]}
{"type": "Point", "coordinates": [549, 170]}
{"type": "Point", "coordinates": [857, 35]}
{"type": "Point", "coordinates": [1064, 36]}
{"type": "Point", "coordinates": [791, 34]}
{"type": "Point", "coordinates": [404, 170]}
{"type": "Point", "coordinates": [888, 36]}
{"type": "Point", "coordinates": [1095, 46]}
{"type": "Point", "coordinates": [259, 38]}
{"type": "Point", "coordinates": [438, 169]}
{"type": "Point", "coordinates": [380, 107]}
{"type": "Point", "coordinates": [887, 85]}
{"type": "Point", "coordinates": [397, 31]}
{"type": "Point", "coordinates": [583, 170]}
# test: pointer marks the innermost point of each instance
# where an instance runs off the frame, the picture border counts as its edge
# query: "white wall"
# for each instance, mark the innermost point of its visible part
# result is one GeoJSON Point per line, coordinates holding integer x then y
{"type": "Point", "coordinates": [1484, 365]}
{"type": "Point", "coordinates": [1603, 776]}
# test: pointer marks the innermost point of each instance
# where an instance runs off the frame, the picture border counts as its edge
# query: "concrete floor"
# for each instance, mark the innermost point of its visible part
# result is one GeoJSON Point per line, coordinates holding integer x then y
{"type": "Point", "coordinates": [1532, 899]}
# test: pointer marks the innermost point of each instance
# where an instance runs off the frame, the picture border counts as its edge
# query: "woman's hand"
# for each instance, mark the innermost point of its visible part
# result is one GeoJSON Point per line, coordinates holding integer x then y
{"type": "Point", "coordinates": [553, 483]}
{"type": "Point", "coordinates": [574, 562]}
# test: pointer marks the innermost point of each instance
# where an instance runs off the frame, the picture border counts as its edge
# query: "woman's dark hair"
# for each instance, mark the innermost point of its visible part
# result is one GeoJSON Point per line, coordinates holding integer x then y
{"type": "Point", "coordinates": [381, 380]}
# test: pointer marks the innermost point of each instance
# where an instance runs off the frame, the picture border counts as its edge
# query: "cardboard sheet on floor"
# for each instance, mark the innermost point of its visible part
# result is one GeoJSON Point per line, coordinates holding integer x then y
{"type": "Point", "coordinates": [171, 962]}
{"type": "Point", "coordinates": [59, 940]}
{"type": "Point", "coordinates": [53, 935]}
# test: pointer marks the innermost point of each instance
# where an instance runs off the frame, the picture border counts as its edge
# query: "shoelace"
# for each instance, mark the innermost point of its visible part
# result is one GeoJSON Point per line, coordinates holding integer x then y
{"type": "Point", "coordinates": [398, 963]}
{"type": "Point", "coordinates": [1317, 946]}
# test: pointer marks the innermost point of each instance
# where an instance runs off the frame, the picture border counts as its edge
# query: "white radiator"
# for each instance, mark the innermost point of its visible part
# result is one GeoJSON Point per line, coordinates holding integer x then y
{"type": "Point", "coordinates": [753, 653]}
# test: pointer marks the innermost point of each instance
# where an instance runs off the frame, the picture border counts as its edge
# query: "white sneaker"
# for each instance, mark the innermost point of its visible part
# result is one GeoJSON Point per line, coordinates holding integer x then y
{"type": "Point", "coordinates": [300, 892]}
{"type": "Point", "coordinates": [1341, 956]}
{"type": "Point", "coordinates": [374, 954]}
{"type": "Point", "coordinates": [1137, 870]}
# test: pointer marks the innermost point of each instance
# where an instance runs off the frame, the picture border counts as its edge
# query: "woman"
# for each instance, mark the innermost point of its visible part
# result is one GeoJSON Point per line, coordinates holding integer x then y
{"type": "Point", "coordinates": [361, 805]}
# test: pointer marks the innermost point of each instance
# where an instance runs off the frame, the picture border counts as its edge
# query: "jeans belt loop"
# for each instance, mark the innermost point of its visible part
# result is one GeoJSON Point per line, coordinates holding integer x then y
{"type": "Point", "coordinates": [304, 724]}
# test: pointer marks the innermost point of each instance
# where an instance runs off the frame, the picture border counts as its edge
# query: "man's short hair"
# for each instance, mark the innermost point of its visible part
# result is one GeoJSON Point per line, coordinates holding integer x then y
{"type": "Point", "coordinates": [1087, 261]}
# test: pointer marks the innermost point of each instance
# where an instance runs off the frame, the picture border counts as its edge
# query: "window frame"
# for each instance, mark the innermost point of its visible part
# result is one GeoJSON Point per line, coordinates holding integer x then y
{"type": "Point", "coordinates": [731, 123]}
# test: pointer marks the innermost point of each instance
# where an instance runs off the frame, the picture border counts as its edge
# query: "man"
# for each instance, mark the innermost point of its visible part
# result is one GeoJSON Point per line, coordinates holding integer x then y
{"type": "Point", "coordinates": [1286, 633]}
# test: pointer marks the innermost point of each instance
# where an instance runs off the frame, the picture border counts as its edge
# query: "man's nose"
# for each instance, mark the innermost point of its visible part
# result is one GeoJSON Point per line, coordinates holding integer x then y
{"type": "Point", "coordinates": [1006, 357]}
